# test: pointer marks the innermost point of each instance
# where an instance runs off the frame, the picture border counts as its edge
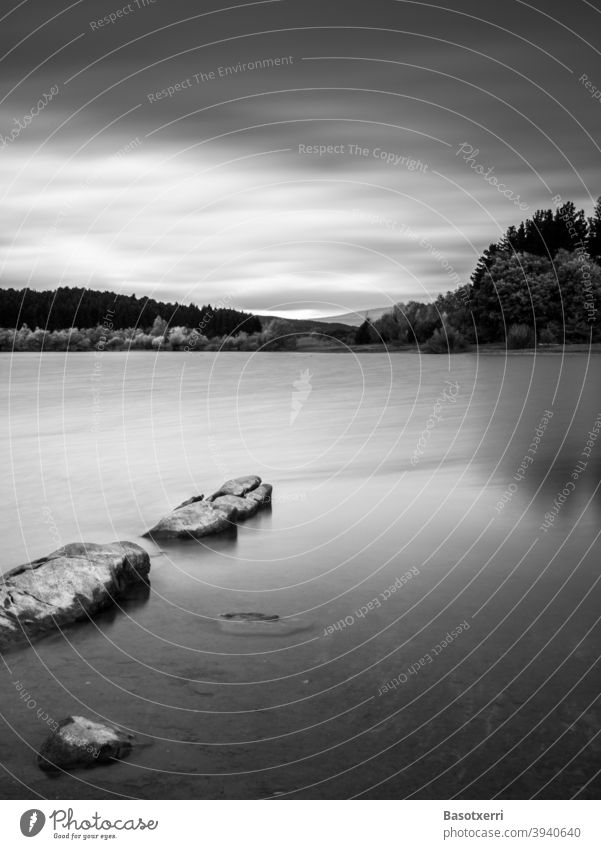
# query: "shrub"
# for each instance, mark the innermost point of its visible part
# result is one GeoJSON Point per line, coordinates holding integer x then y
{"type": "Point", "coordinates": [519, 336]}
{"type": "Point", "coordinates": [547, 336]}
{"type": "Point", "coordinates": [446, 341]}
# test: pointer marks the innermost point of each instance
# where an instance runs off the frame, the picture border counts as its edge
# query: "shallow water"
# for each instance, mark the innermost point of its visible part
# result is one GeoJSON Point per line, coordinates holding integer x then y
{"type": "Point", "coordinates": [377, 547]}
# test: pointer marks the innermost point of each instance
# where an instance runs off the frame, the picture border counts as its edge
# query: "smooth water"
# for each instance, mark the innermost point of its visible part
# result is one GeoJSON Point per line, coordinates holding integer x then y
{"type": "Point", "coordinates": [97, 447]}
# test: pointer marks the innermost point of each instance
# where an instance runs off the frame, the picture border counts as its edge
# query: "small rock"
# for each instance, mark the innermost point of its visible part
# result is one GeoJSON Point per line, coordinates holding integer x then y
{"type": "Point", "coordinates": [192, 500]}
{"type": "Point", "coordinates": [237, 486]}
{"type": "Point", "coordinates": [80, 742]}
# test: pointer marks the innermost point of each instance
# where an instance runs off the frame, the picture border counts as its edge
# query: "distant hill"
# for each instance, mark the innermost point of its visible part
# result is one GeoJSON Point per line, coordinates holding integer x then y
{"type": "Point", "coordinates": [354, 319]}
{"type": "Point", "coordinates": [311, 325]}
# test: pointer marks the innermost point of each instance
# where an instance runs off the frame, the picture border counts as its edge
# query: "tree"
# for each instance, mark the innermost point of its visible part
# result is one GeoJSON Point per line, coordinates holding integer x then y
{"type": "Point", "coordinates": [279, 335]}
{"type": "Point", "coordinates": [159, 326]}
{"type": "Point", "coordinates": [365, 333]}
{"type": "Point", "coordinates": [593, 242]}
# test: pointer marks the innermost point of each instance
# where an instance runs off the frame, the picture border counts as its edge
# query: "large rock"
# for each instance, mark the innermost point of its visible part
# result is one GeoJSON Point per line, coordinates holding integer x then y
{"type": "Point", "coordinates": [195, 520]}
{"type": "Point", "coordinates": [80, 742]}
{"type": "Point", "coordinates": [72, 583]}
{"type": "Point", "coordinates": [237, 486]}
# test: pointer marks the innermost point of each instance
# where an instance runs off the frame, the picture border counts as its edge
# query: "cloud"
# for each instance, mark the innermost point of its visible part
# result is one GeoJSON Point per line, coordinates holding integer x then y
{"type": "Point", "coordinates": [211, 191]}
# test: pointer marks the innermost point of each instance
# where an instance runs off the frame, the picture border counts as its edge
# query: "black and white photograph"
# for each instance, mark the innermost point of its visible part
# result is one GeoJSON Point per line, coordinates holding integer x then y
{"type": "Point", "coordinates": [301, 418]}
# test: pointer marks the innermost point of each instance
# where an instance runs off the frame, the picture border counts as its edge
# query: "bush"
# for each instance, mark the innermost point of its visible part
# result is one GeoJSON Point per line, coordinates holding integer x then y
{"type": "Point", "coordinates": [519, 336]}
{"type": "Point", "coordinates": [548, 335]}
{"type": "Point", "coordinates": [446, 341]}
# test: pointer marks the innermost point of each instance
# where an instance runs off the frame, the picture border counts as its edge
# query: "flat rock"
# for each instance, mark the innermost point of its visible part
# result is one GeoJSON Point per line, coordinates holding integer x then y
{"type": "Point", "coordinates": [199, 519]}
{"type": "Point", "coordinates": [70, 584]}
{"type": "Point", "coordinates": [80, 742]}
{"type": "Point", "coordinates": [237, 486]}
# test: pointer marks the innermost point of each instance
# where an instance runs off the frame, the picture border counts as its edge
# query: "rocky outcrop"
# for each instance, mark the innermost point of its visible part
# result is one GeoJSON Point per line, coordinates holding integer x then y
{"type": "Point", "coordinates": [72, 583]}
{"type": "Point", "coordinates": [79, 742]}
{"type": "Point", "coordinates": [235, 501]}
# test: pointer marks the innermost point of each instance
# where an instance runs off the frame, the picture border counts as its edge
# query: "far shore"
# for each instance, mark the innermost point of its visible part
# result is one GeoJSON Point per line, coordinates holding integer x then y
{"type": "Point", "coordinates": [490, 349]}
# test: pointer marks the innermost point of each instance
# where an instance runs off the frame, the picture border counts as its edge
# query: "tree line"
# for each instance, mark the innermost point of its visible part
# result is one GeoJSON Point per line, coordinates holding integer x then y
{"type": "Point", "coordinates": [539, 284]}
{"type": "Point", "coordinates": [73, 307]}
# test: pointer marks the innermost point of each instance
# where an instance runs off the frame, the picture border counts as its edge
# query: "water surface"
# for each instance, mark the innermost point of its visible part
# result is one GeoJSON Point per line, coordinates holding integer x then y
{"type": "Point", "coordinates": [339, 698]}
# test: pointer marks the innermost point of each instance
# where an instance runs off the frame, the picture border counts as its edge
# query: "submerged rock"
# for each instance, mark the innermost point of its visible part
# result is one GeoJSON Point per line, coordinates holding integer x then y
{"type": "Point", "coordinates": [195, 520]}
{"type": "Point", "coordinates": [80, 742]}
{"type": "Point", "coordinates": [237, 486]}
{"type": "Point", "coordinates": [235, 501]}
{"type": "Point", "coordinates": [262, 624]}
{"type": "Point", "coordinates": [251, 617]}
{"type": "Point", "coordinates": [72, 583]}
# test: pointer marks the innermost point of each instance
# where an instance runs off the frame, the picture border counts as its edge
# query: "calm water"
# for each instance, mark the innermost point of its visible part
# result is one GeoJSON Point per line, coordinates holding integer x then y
{"type": "Point", "coordinates": [97, 447]}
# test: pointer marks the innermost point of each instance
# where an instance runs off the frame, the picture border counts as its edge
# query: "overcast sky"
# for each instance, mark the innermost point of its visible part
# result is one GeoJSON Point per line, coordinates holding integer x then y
{"type": "Point", "coordinates": [210, 195]}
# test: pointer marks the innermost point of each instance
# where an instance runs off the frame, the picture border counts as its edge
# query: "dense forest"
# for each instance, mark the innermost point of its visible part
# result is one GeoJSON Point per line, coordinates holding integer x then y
{"type": "Point", "coordinates": [80, 319]}
{"type": "Point", "coordinates": [540, 284]}
{"type": "Point", "coordinates": [73, 307]}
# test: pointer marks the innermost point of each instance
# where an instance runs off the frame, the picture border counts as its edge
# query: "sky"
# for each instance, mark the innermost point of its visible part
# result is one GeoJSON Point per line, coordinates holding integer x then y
{"type": "Point", "coordinates": [288, 157]}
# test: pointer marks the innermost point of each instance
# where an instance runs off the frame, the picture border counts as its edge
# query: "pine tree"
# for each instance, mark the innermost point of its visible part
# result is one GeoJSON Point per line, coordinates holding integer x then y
{"type": "Point", "coordinates": [365, 333]}
{"type": "Point", "coordinates": [593, 241]}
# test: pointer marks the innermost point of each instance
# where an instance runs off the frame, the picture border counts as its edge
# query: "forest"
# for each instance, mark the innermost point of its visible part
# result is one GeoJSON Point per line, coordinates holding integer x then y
{"type": "Point", "coordinates": [539, 285]}
{"type": "Point", "coordinates": [80, 319]}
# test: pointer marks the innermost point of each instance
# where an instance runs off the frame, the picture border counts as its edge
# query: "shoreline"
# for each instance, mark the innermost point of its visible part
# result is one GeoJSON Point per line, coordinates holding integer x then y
{"type": "Point", "coordinates": [491, 349]}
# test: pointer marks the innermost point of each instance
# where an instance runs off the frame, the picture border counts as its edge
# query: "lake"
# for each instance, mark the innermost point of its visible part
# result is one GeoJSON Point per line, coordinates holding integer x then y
{"type": "Point", "coordinates": [439, 637]}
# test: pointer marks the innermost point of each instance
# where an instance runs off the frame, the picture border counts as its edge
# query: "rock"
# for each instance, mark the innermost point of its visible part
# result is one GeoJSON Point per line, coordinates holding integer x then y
{"type": "Point", "coordinates": [248, 505]}
{"type": "Point", "coordinates": [262, 625]}
{"type": "Point", "coordinates": [237, 486]}
{"type": "Point", "coordinates": [192, 500]}
{"type": "Point", "coordinates": [237, 500]}
{"type": "Point", "coordinates": [261, 495]}
{"type": "Point", "coordinates": [243, 508]}
{"type": "Point", "coordinates": [80, 742]}
{"type": "Point", "coordinates": [195, 520]}
{"type": "Point", "coordinates": [251, 617]}
{"type": "Point", "coordinates": [72, 583]}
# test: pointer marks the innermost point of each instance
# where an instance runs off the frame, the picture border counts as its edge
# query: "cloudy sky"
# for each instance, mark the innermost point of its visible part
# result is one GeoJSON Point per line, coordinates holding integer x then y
{"type": "Point", "coordinates": [211, 191]}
